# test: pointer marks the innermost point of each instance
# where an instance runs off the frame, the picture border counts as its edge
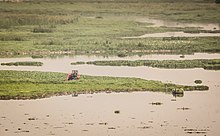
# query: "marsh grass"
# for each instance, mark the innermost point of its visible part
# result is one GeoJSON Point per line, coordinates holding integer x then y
{"type": "Point", "coordinates": [41, 29]}
{"type": "Point", "coordinates": [32, 85]}
{"type": "Point", "coordinates": [83, 27]}
{"type": "Point", "coordinates": [24, 63]}
{"type": "Point", "coordinates": [198, 81]}
{"type": "Point", "coordinates": [212, 64]}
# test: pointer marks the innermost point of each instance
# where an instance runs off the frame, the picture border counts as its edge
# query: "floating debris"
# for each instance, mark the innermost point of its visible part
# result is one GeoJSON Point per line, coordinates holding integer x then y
{"type": "Point", "coordinates": [196, 131]}
{"type": "Point", "coordinates": [32, 118]}
{"type": "Point", "coordinates": [198, 81]}
{"type": "Point", "coordinates": [103, 123]}
{"type": "Point", "coordinates": [183, 108]}
{"type": "Point", "coordinates": [182, 56]}
{"type": "Point", "coordinates": [69, 123]}
{"type": "Point", "coordinates": [91, 124]}
{"type": "Point", "coordinates": [75, 95]}
{"type": "Point", "coordinates": [145, 127]}
{"type": "Point", "coordinates": [117, 111]}
{"type": "Point", "coordinates": [26, 131]}
{"type": "Point", "coordinates": [85, 130]}
{"type": "Point", "coordinates": [111, 128]}
{"type": "Point", "coordinates": [156, 103]}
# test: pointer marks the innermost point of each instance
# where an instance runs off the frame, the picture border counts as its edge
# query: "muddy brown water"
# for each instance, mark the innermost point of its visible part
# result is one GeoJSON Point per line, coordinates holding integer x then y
{"type": "Point", "coordinates": [174, 34]}
{"type": "Point", "coordinates": [62, 64]}
{"type": "Point", "coordinates": [196, 113]}
{"type": "Point", "coordinates": [165, 23]}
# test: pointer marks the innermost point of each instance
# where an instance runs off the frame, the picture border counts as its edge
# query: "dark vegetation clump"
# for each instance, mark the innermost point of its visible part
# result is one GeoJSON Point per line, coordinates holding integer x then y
{"type": "Point", "coordinates": [24, 63]}
{"type": "Point", "coordinates": [117, 112]}
{"type": "Point", "coordinates": [41, 29]}
{"type": "Point", "coordinates": [121, 55]}
{"type": "Point", "coordinates": [78, 63]}
{"type": "Point", "coordinates": [99, 17]}
{"type": "Point", "coordinates": [212, 64]}
{"type": "Point", "coordinates": [198, 81]}
{"type": "Point", "coordinates": [37, 56]}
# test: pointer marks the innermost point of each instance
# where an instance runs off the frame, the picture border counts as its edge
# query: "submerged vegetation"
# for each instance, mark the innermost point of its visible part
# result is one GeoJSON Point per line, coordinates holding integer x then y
{"type": "Point", "coordinates": [208, 64]}
{"type": "Point", "coordinates": [24, 63]}
{"type": "Point", "coordinates": [32, 85]}
{"type": "Point", "coordinates": [95, 27]}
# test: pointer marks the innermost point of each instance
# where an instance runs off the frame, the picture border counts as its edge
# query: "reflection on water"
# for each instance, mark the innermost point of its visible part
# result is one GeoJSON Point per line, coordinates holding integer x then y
{"type": "Point", "coordinates": [197, 113]}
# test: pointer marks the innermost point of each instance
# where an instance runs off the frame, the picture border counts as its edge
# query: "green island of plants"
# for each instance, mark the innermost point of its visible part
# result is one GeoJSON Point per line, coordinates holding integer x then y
{"type": "Point", "coordinates": [198, 81]}
{"type": "Point", "coordinates": [23, 63]}
{"type": "Point", "coordinates": [33, 85]}
{"type": "Point", "coordinates": [208, 64]}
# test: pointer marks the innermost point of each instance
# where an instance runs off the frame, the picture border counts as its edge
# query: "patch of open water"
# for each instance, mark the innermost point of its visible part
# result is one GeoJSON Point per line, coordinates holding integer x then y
{"type": "Point", "coordinates": [174, 34]}
{"type": "Point", "coordinates": [163, 23]}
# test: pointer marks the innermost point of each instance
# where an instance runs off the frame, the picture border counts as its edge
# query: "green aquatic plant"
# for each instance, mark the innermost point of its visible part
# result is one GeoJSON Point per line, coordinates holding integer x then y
{"type": "Point", "coordinates": [198, 81]}
{"type": "Point", "coordinates": [78, 63]}
{"type": "Point", "coordinates": [208, 64]}
{"type": "Point", "coordinates": [49, 27]}
{"type": "Point", "coordinates": [41, 29]}
{"type": "Point", "coordinates": [37, 56]}
{"type": "Point", "coordinates": [24, 63]}
{"type": "Point", "coordinates": [32, 85]}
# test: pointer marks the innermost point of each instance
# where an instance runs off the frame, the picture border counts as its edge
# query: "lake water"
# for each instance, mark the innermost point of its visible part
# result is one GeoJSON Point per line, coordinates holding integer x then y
{"type": "Point", "coordinates": [196, 113]}
{"type": "Point", "coordinates": [174, 34]}
{"type": "Point", "coordinates": [180, 76]}
{"type": "Point", "coordinates": [165, 23]}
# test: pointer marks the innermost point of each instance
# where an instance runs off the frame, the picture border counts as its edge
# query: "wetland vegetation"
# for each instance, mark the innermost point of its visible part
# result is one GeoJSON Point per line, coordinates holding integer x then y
{"type": "Point", "coordinates": [32, 85]}
{"type": "Point", "coordinates": [208, 64]}
{"type": "Point", "coordinates": [94, 27]}
{"type": "Point", "coordinates": [24, 63]}
{"type": "Point", "coordinates": [198, 81]}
